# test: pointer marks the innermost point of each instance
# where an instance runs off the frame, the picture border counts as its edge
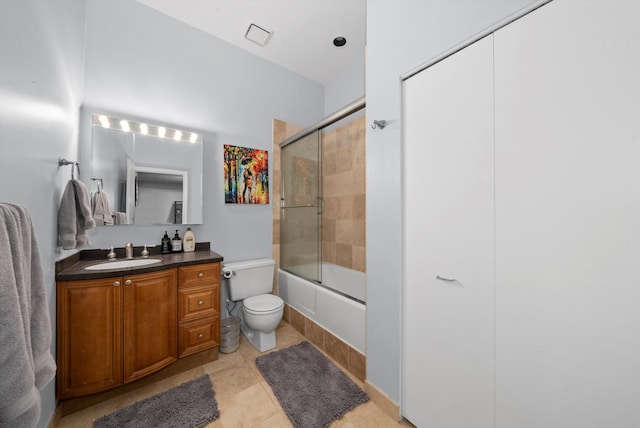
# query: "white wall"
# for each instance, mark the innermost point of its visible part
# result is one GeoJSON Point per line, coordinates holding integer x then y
{"type": "Point", "coordinates": [401, 35]}
{"type": "Point", "coordinates": [345, 88]}
{"type": "Point", "coordinates": [143, 63]}
{"type": "Point", "coordinates": [41, 52]}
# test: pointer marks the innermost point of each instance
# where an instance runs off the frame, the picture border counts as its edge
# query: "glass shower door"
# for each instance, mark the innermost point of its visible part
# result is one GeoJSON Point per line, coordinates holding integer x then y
{"type": "Point", "coordinates": [301, 208]}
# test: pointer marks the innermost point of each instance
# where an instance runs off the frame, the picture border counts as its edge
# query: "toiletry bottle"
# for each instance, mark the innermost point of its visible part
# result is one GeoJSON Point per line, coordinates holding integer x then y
{"type": "Point", "coordinates": [176, 243]}
{"type": "Point", "coordinates": [189, 241]}
{"type": "Point", "coordinates": [166, 244]}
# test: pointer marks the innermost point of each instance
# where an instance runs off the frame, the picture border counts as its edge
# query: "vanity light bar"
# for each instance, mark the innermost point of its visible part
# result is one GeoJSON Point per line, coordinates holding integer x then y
{"type": "Point", "coordinates": [126, 125]}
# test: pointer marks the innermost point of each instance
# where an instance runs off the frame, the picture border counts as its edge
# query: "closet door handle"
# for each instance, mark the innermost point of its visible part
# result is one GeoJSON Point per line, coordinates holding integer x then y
{"type": "Point", "coordinates": [441, 278]}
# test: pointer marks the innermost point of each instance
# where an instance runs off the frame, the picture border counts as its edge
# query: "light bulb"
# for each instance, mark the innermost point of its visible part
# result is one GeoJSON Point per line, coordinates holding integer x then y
{"type": "Point", "coordinates": [104, 121]}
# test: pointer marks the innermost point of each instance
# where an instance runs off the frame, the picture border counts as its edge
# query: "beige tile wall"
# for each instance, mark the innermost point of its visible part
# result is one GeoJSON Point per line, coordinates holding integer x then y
{"type": "Point", "coordinates": [343, 189]}
{"type": "Point", "coordinates": [344, 192]}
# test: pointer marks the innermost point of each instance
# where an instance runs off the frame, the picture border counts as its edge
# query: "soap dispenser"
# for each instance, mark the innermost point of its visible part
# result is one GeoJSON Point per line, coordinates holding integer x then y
{"type": "Point", "coordinates": [176, 243]}
{"type": "Point", "coordinates": [189, 241]}
{"type": "Point", "coordinates": [166, 244]}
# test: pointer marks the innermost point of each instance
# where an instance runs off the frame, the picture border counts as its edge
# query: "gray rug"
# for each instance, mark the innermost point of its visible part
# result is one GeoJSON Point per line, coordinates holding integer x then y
{"type": "Point", "coordinates": [190, 405]}
{"type": "Point", "coordinates": [312, 391]}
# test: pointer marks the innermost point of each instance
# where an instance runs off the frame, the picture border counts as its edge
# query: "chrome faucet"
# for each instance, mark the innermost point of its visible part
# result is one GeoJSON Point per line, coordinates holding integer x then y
{"type": "Point", "coordinates": [129, 250]}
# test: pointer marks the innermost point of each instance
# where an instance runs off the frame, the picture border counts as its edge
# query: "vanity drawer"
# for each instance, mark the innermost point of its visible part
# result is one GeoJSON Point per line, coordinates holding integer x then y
{"type": "Point", "coordinates": [196, 336]}
{"type": "Point", "coordinates": [198, 302]}
{"type": "Point", "coordinates": [204, 274]}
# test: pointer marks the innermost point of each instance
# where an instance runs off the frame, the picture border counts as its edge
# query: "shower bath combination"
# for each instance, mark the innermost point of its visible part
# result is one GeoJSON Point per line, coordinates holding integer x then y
{"type": "Point", "coordinates": [322, 223]}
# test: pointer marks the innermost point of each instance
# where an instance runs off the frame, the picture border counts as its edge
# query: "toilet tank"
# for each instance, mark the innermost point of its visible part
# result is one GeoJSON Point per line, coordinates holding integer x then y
{"type": "Point", "coordinates": [249, 278]}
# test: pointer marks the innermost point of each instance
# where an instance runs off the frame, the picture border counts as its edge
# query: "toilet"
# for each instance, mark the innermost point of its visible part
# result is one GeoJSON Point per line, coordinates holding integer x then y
{"type": "Point", "coordinates": [252, 281]}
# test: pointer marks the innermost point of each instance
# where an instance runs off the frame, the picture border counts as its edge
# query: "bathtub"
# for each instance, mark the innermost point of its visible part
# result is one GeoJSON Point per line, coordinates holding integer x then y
{"type": "Point", "coordinates": [337, 305]}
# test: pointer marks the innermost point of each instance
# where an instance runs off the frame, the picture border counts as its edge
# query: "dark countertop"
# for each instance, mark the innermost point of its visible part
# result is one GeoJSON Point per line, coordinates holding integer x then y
{"type": "Point", "coordinates": [73, 267]}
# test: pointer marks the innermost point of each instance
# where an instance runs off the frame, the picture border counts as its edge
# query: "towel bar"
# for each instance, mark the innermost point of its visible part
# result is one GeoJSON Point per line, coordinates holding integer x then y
{"type": "Point", "coordinates": [63, 162]}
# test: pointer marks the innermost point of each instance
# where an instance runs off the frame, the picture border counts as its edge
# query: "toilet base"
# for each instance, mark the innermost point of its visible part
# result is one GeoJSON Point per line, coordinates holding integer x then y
{"type": "Point", "coordinates": [260, 340]}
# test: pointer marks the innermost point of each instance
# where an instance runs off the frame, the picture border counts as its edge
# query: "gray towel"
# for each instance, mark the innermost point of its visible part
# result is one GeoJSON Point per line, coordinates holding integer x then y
{"type": "Point", "coordinates": [119, 218]}
{"type": "Point", "coordinates": [74, 216]}
{"type": "Point", "coordinates": [101, 212]}
{"type": "Point", "coordinates": [26, 362]}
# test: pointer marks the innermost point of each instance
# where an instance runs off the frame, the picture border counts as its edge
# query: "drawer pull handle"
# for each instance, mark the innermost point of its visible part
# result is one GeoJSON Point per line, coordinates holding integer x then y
{"type": "Point", "coordinates": [127, 282]}
{"type": "Point", "coordinates": [200, 275]}
{"type": "Point", "coordinates": [200, 302]}
{"type": "Point", "coordinates": [116, 283]}
{"type": "Point", "coordinates": [200, 336]}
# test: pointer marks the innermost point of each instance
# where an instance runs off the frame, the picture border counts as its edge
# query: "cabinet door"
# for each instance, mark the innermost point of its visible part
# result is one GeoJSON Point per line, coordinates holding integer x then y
{"type": "Point", "coordinates": [567, 216]}
{"type": "Point", "coordinates": [448, 232]}
{"type": "Point", "coordinates": [89, 326]}
{"type": "Point", "coordinates": [150, 323]}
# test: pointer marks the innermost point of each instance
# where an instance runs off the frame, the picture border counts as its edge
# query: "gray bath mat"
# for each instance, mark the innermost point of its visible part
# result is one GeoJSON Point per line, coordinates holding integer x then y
{"type": "Point", "coordinates": [312, 391]}
{"type": "Point", "coordinates": [190, 405]}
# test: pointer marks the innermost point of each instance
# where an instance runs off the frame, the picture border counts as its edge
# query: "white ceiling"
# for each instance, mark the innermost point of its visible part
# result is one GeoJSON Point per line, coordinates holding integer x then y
{"type": "Point", "coordinates": [303, 30]}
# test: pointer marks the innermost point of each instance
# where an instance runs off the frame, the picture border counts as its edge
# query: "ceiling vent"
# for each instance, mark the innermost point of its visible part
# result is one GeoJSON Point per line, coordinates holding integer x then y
{"type": "Point", "coordinates": [258, 35]}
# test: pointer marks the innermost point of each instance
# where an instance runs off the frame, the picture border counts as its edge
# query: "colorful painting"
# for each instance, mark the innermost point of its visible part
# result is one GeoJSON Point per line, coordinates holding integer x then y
{"type": "Point", "coordinates": [246, 175]}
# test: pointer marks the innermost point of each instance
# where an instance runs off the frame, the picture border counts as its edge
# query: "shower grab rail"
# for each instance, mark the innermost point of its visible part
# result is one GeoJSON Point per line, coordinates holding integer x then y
{"type": "Point", "coordinates": [321, 205]}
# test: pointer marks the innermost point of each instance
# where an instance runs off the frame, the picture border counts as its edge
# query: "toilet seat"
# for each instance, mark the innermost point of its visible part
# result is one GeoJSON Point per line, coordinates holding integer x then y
{"type": "Point", "coordinates": [263, 303]}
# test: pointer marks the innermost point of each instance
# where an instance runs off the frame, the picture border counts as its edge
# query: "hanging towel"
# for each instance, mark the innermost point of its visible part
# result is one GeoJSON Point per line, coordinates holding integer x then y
{"type": "Point", "coordinates": [26, 362]}
{"type": "Point", "coordinates": [119, 218]}
{"type": "Point", "coordinates": [101, 212]}
{"type": "Point", "coordinates": [74, 216]}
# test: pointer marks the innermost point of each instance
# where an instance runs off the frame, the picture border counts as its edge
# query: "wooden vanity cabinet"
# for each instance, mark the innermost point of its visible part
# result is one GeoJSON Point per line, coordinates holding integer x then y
{"type": "Point", "coordinates": [150, 321]}
{"type": "Point", "coordinates": [89, 336]}
{"type": "Point", "coordinates": [198, 308]}
{"type": "Point", "coordinates": [114, 330]}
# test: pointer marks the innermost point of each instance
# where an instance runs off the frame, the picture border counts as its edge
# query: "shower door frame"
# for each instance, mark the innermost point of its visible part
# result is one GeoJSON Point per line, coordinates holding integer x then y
{"type": "Point", "coordinates": [314, 206]}
{"type": "Point", "coordinates": [337, 116]}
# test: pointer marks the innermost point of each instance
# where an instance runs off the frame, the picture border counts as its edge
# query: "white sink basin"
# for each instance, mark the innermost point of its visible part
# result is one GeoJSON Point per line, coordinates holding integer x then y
{"type": "Point", "coordinates": [121, 264]}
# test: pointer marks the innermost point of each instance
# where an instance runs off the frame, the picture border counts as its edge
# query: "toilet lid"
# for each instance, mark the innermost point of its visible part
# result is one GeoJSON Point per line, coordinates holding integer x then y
{"type": "Point", "coordinates": [263, 303]}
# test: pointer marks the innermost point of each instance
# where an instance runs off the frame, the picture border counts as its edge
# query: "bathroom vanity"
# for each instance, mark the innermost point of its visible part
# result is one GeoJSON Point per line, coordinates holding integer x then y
{"type": "Point", "coordinates": [118, 326]}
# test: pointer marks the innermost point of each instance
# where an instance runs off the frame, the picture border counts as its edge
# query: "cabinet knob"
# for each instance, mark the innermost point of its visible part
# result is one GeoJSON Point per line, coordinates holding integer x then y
{"type": "Point", "coordinates": [127, 282]}
{"type": "Point", "coordinates": [200, 275]}
{"type": "Point", "coordinates": [200, 302]}
{"type": "Point", "coordinates": [116, 283]}
{"type": "Point", "coordinates": [200, 336]}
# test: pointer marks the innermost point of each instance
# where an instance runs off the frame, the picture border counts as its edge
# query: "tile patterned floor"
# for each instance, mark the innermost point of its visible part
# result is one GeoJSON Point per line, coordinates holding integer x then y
{"type": "Point", "coordinates": [244, 398]}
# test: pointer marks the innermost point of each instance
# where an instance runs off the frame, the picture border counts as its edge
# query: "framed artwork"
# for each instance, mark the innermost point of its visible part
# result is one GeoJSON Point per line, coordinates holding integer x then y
{"type": "Point", "coordinates": [246, 175]}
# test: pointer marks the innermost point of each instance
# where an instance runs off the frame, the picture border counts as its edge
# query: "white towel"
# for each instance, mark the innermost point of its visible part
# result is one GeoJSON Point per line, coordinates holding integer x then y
{"type": "Point", "coordinates": [101, 212]}
{"type": "Point", "coordinates": [74, 216]}
{"type": "Point", "coordinates": [26, 362]}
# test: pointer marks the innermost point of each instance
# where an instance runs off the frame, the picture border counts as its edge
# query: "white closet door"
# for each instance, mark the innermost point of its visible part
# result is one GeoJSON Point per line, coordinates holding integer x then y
{"type": "Point", "coordinates": [568, 217]}
{"type": "Point", "coordinates": [448, 231]}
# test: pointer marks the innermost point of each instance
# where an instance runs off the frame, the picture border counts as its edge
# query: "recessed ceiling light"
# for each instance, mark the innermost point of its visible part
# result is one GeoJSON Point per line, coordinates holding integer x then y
{"type": "Point", "coordinates": [258, 35]}
{"type": "Point", "coordinates": [339, 41]}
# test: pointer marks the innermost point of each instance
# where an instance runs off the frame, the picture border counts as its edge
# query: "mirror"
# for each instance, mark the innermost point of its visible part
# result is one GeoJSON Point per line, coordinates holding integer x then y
{"type": "Point", "coordinates": [149, 174]}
